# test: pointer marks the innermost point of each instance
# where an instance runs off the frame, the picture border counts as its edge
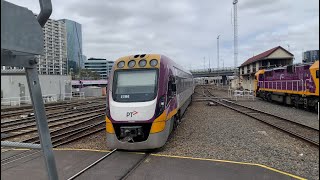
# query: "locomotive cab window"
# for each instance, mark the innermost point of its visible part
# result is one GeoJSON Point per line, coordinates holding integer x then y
{"type": "Point", "coordinates": [317, 74]}
{"type": "Point", "coordinates": [135, 85]}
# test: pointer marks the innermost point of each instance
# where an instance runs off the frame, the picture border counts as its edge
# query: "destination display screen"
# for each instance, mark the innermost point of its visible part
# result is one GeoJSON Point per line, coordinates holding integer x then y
{"type": "Point", "coordinates": [135, 85]}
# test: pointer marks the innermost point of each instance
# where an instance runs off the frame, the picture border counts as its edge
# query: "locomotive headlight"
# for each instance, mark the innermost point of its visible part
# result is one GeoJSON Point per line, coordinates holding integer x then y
{"type": "Point", "coordinates": [142, 63]}
{"type": "Point", "coordinates": [153, 62]}
{"type": "Point", "coordinates": [120, 64]}
{"type": "Point", "coordinates": [131, 63]}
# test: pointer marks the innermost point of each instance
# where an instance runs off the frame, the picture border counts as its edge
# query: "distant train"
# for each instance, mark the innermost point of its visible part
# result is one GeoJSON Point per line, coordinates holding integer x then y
{"type": "Point", "coordinates": [146, 98]}
{"type": "Point", "coordinates": [296, 85]}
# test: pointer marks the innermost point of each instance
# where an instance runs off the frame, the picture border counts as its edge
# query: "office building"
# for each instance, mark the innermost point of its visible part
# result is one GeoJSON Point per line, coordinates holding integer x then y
{"type": "Point", "coordinates": [310, 56]}
{"type": "Point", "coordinates": [74, 45]}
{"type": "Point", "coordinates": [102, 66]}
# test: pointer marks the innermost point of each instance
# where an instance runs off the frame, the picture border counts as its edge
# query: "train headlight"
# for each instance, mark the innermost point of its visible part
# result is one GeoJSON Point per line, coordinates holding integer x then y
{"type": "Point", "coordinates": [131, 63]}
{"type": "Point", "coordinates": [153, 62]}
{"type": "Point", "coordinates": [120, 64]}
{"type": "Point", "coordinates": [142, 63]}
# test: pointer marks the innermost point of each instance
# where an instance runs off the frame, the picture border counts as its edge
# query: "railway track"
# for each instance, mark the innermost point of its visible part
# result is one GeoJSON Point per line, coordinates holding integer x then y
{"type": "Point", "coordinates": [15, 122]}
{"type": "Point", "coordinates": [65, 127]}
{"type": "Point", "coordinates": [29, 110]}
{"type": "Point", "coordinates": [30, 128]}
{"type": "Point", "coordinates": [130, 167]}
{"type": "Point", "coordinates": [298, 130]}
{"type": "Point", "coordinates": [94, 99]}
{"type": "Point", "coordinates": [60, 137]}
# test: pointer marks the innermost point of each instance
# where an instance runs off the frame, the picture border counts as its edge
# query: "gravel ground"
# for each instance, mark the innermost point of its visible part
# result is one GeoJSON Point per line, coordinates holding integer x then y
{"type": "Point", "coordinates": [288, 112]}
{"type": "Point", "coordinates": [95, 141]}
{"type": "Point", "coordinates": [220, 133]}
{"type": "Point", "coordinates": [298, 115]}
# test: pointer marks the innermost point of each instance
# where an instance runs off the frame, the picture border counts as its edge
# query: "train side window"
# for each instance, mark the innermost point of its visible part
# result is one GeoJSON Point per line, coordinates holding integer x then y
{"type": "Point", "coordinates": [171, 88]}
{"type": "Point", "coordinates": [317, 74]}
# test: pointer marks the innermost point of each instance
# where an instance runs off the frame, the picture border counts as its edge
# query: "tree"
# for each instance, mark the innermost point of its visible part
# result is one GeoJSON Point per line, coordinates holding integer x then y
{"type": "Point", "coordinates": [88, 74]}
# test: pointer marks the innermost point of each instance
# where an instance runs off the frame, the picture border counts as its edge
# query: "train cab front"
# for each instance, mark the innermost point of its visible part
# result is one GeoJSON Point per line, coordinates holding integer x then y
{"type": "Point", "coordinates": [132, 122]}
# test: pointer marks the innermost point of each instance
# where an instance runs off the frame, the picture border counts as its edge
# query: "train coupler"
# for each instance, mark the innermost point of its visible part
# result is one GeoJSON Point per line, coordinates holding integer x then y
{"type": "Point", "coordinates": [128, 133]}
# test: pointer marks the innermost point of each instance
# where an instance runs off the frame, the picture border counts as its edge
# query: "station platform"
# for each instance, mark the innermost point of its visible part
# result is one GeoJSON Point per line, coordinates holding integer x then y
{"type": "Point", "coordinates": [115, 166]}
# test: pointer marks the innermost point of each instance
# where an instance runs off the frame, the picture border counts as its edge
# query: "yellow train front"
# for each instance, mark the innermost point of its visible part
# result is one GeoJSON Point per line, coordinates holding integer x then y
{"type": "Point", "coordinates": [296, 85]}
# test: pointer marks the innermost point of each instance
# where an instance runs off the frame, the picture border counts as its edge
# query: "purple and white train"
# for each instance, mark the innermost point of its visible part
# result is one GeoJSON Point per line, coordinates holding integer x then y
{"type": "Point", "coordinates": [147, 95]}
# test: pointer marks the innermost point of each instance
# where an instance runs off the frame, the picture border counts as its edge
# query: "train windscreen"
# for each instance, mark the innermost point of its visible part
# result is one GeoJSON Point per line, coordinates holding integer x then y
{"type": "Point", "coordinates": [135, 85]}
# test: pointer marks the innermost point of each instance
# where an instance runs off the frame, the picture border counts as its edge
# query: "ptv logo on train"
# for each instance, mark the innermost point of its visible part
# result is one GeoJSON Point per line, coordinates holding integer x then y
{"type": "Point", "coordinates": [131, 113]}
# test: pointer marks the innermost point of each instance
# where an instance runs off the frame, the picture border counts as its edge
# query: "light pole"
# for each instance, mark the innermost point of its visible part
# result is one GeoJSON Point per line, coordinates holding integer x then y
{"type": "Point", "coordinates": [222, 63]}
{"type": "Point", "coordinates": [218, 49]}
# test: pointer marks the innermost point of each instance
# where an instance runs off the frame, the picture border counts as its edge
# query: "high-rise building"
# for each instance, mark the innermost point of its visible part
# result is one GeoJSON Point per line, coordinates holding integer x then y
{"type": "Point", "coordinates": [99, 65]}
{"type": "Point", "coordinates": [54, 59]}
{"type": "Point", "coordinates": [310, 56]}
{"type": "Point", "coordinates": [74, 41]}
{"type": "Point", "coordinates": [84, 58]}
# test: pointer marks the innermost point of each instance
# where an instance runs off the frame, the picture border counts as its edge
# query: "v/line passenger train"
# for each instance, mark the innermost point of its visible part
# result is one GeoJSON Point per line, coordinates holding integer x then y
{"type": "Point", "coordinates": [147, 95]}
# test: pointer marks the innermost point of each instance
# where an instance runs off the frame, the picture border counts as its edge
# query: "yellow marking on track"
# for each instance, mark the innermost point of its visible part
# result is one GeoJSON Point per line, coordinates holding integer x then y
{"type": "Point", "coordinates": [16, 149]}
{"type": "Point", "coordinates": [75, 149]}
{"type": "Point", "coordinates": [184, 157]}
{"type": "Point", "coordinates": [233, 162]}
{"type": "Point", "coordinates": [93, 150]}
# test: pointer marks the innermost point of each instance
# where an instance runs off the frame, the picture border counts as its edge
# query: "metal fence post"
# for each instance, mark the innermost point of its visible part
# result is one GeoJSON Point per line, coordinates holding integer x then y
{"type": "Point", "coordinates": [41, 119]}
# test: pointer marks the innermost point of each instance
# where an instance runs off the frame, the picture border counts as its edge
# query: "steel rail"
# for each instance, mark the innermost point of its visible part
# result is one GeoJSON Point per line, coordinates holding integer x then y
{"type": "Point", "coordinates": [7, 124]}
{"type": "Point", "coordinates": [72, 134]}
{"type": "Point", "coordinates": [300, 136]}
{"type": "Point", "coordinates": [53, 125]}
{"type": "Point", "coordinates": [91, 165]}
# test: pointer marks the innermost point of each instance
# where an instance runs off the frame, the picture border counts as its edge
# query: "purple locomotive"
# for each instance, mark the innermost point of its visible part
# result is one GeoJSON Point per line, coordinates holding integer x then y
{"type": "Point", "coordinates": [296, 85]}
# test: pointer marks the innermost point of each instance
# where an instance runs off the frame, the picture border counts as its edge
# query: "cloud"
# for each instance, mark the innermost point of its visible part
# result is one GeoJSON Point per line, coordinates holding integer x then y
{"type": "Point", "coordinates": [186, 30]}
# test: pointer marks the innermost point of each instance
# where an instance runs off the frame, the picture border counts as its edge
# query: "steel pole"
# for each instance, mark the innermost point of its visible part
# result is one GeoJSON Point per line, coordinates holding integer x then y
{"type": "Point", "coordinates": [41, 119]}
{"type": "Point", "coordinates": [218, 50]}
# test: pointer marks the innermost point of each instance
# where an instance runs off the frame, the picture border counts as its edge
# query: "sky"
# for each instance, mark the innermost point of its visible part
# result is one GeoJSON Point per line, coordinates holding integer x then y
{"type": "Point", "coordinates": [186, 30]}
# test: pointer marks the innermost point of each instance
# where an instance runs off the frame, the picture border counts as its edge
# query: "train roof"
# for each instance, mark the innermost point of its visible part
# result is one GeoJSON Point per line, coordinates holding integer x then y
{"type": "Point", "coordinates": [148, 57]}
